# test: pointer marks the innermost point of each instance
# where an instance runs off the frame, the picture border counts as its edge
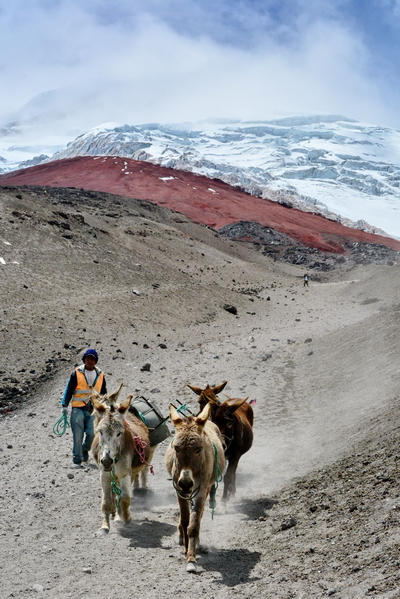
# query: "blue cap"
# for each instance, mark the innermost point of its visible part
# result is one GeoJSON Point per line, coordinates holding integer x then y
{"type": "Point", "coordinates": [91, 352]}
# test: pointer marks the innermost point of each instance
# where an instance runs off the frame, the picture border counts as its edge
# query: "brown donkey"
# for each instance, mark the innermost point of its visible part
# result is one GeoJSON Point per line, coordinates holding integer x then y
{"type": "Point", "coordinates": [234, 418]}
{"type": "Point", "coordinates": [121, 448]}
{"type": "Point", "coordinates": [195, 460]}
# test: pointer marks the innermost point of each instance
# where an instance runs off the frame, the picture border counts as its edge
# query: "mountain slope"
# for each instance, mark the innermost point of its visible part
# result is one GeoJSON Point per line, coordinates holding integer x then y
{"type": "Point", "coordinates": [324, 164]}
{"type": "Point", "coordinates": [147, 287]}
{"type": "Point", "coordinates": [331, 165]}
{"type": "Point", "coordinates": [213, 203]}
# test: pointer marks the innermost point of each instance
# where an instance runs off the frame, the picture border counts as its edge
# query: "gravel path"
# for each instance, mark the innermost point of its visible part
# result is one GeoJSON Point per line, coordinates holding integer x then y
{"type": "Point", "coordinates": [317, 509]}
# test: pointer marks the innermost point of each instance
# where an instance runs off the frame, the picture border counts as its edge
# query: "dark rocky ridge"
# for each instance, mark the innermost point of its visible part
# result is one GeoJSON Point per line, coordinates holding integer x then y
{"type": "Point", "coordinates": [282, 247]}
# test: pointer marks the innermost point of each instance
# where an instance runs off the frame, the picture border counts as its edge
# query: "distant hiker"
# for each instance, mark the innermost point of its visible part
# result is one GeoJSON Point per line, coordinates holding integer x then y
{"type": "Point", "coordinates": [78, 389]}
{"type": "Point", "coordinates": [306, 280]}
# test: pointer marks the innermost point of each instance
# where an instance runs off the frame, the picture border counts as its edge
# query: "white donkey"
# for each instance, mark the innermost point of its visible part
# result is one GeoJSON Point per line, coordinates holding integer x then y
{"type": "Point", "coordinates": [121, 448]}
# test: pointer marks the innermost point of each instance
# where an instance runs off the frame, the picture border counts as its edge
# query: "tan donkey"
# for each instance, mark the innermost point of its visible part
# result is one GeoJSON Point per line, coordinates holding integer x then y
{"type": "Point", "coordinates": [196, 462]}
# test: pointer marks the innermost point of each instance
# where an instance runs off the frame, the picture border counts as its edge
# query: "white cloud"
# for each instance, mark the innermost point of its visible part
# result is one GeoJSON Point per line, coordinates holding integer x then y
{"type": "Point", "coordinates": [134, 67]}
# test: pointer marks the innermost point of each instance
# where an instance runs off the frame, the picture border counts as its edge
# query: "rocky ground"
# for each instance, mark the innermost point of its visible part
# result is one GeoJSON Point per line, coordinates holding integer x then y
{"type": "Point", "coordinates": [281, 247]}
{"type": "Point", "coordinates": [317, 510]}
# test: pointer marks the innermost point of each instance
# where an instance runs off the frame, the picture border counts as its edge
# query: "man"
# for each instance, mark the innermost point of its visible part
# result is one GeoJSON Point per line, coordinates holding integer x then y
{"type": "Point", "coordinates": [79, 389]}
{"type": "Point", "coordinates": [306, 280]}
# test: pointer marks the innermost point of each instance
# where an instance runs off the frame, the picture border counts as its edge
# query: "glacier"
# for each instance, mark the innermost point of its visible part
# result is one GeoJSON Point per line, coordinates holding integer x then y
{"type": "Point", "coordinates": [327, 164]}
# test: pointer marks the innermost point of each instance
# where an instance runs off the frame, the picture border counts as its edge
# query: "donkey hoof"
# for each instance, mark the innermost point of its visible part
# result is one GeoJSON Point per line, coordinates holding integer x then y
{"type": "Point", "coordinates": [103, 531]}
{"type": "Point", "coordinates": [191, 567]}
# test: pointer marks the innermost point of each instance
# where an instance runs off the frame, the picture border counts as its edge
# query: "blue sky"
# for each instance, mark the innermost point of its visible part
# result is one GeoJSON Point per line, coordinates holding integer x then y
{"type": "Point", "coordinates": [187, 60]}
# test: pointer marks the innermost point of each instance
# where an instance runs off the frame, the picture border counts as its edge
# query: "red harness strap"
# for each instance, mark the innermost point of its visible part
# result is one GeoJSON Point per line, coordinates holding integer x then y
{"type": "Point", "coordinates": [140, 447]}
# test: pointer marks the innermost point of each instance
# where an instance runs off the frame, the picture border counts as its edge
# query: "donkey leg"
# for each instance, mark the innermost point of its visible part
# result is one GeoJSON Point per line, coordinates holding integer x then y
{"type": "Point", "coordinates": [213, 492]}
{"type": "Point", "coordinates": [140, 479]}
{"type": "Point", "coordinates": [145, 472]}
{"type": "Point", "coordinates": [124, 512]}
{"type": "Point", "coordinates": [183, 521]}
{"type": "Point", "coordinates": [230, 480]}
{"type": "Point", "coordinates": [193, 533]}
{"type": "Point", "coordinates": [107, 500]}
{"type": "Point", "coordinates": [143, 477]}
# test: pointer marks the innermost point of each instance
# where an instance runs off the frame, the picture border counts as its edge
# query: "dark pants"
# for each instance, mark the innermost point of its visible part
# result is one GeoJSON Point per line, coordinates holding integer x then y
{"type": "Point", "coordinates": [83, 434]}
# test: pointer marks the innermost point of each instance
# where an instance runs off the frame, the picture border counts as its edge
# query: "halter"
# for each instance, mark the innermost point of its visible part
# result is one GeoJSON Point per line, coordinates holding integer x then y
{"type": "Point", "coordinates": [227, 441]}
{"type": "Point", "coordinates": [230, 439]}
{"type": "Point", "coordinates": [186, 497]}
{"type": "Point", "coordinates": [218, 476]}
{"type": "Point", "coordinates": [115, 461]}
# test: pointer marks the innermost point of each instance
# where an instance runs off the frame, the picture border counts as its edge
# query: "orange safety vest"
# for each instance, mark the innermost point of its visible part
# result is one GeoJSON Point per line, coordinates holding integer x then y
{"type": "Point", "coordinates": [81, 395]}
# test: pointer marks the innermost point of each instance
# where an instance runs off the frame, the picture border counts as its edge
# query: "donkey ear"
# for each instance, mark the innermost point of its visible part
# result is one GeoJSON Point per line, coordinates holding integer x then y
{"type": "Point", "coordinates": [239, 402]}
{"type": "Point", "coordinates": [98, 405]}
{"type": "Point", "coordinates": [202, 418]}
{"type": "Point", "coordinates": [125, 405]}
{"type": "Point", "coordinates": [219, 388]}
{"type": "Point", "coordinates": [174, 415]}
{"type": "Point", "coordinates": [197, 390]}
{"type": "Point", "coordinates": [94, 393]}
{"type": "Point", "coordinates": [112, 398]}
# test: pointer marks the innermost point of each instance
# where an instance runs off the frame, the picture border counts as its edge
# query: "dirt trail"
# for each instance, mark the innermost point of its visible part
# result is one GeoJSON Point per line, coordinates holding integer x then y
{"type": "Point", "coordinates": [322, 363]}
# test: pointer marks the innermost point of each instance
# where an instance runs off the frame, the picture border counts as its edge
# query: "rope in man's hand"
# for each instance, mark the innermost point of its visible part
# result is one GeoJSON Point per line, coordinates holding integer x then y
{"type": "Point", "coordinates": [61, 425]}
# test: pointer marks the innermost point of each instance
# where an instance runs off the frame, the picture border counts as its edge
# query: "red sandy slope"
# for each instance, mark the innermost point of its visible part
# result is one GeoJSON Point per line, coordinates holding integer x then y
{"type": "Point", "coordinates": [204, 200]}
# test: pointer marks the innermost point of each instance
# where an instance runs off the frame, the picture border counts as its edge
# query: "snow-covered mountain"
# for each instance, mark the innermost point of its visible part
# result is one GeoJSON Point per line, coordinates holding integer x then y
{"type": "Point", "coordinates": [343, 169]}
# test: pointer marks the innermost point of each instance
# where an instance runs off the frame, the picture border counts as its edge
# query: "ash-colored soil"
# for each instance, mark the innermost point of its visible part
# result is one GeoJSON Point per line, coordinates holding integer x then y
{"type": "Point", "coordinates": [207, 201]}
{"type": "Point", "coordinates": [318, 507]}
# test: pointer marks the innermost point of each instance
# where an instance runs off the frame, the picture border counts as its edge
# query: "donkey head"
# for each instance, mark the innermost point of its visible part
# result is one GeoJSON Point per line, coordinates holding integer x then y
{"type": "Point", "coordinates": [110, 429]}
{"type": "Point", "coordinates": [209, 395]}
{"type": "Point", "coordinates": [108, 399]}
{"type": "Point", "coordinates": [188, 446]}
{"type": "Point", "coordinates": [225, 417]}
